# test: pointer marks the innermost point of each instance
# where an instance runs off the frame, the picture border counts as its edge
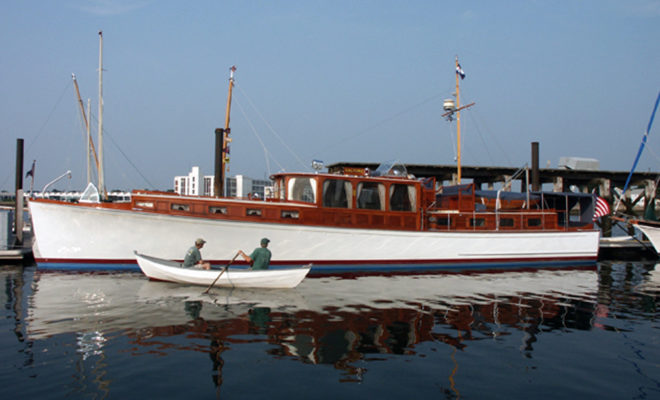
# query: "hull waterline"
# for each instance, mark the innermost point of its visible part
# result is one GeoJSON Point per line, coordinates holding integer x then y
{"type": "Point", "coordinates": [332, 250]}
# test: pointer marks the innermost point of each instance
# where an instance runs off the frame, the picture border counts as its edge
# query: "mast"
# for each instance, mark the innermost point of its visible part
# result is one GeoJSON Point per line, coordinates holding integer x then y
{"type": "Point", "coordinates": [89, 141]}
{"type": "Point", "coordinates": [458, 123]}
{"type": "Point", "coordinates": [222, 165]}
{"type": "Point", "coordinates": [639, 152]}
{"type": "Point", "coordinates": [100, 167]}
{"type": "Point", "coordinates": [452, 108]}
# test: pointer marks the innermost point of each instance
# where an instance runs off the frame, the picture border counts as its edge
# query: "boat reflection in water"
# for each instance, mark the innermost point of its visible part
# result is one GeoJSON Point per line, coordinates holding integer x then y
{"type": "Point", "coordinates": [323, 321]}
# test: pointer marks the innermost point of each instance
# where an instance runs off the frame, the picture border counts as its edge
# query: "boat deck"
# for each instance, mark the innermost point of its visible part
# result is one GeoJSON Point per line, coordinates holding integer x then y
{"type": "Point", "coordinates": [626, 248]}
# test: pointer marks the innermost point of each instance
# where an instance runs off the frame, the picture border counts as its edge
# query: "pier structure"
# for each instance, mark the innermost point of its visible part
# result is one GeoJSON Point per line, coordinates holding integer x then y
{"type": "Point", "coordinates": [561, 179]}
{"type": "Point", "coordinates": [15, 241]}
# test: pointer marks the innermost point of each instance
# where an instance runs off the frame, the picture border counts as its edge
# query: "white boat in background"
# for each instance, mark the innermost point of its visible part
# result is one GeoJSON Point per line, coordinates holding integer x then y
{"type": "Point", "coordinates": [651, 231]}
{"type": "Point", "coordinates": [172, 271]}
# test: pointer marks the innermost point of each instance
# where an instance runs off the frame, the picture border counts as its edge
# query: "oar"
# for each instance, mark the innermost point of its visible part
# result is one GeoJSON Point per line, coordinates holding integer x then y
{"type": "Point", "coordinates": [220, 274]}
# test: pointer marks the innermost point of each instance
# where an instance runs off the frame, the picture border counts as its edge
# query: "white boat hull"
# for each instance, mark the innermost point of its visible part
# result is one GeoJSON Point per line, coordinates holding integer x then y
{"type": "Point", "coordinates": [172, 271]}
{"type": "Point", "coordinates": [70, 236]}
{"type": "Point", "coordinates": [652, 233]}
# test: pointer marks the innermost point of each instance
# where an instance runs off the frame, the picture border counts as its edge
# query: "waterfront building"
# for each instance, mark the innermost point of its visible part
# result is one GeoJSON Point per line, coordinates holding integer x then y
{"type": "Point", "coordinates": [195, 184]}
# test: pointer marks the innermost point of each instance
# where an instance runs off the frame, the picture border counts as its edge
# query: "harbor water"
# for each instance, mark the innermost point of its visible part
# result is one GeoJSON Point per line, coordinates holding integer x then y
{"type": "Point", "coordinates": [587, 333]}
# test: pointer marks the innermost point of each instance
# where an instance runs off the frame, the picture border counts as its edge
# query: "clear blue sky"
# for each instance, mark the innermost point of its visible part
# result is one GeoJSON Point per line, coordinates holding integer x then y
{"type": "Point", "coordinates": [330, 80]}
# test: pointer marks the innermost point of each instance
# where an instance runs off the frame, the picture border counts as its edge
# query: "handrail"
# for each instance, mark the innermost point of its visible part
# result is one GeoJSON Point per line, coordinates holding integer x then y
{"type": "Point", "coordinates": [506, 184]}
{"type": "Point", "coordinates": [67, 173]}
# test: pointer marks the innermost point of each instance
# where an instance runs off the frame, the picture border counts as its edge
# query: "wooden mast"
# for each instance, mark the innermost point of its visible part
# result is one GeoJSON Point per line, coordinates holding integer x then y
{"type": "Point", "coordinates": [90, 142]}
{"type": "Point", "coordinates": [222, 165]}
{"type": "Point", "coordinates": [452, 108]}
{"type": "Point", "coordinates": [100, 133]}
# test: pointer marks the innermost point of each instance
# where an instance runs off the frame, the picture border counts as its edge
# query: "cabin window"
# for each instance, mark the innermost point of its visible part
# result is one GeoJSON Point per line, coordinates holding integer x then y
{"type": "Point", "coordinates": [337, 193]}
{"type": "Point", "coordinates": [443, 221]}
{"type": "Point", "coordinates": [218, 210]}
{"type": "Point", "coordinates": [180, 207]}
{"type": "Point", "coordinates": [534, 222]}
{"type": "Point", "coordinates": [253, 212]}
{"type": "Point", "coordinates": [402, 197]}
{"type": "Point", "coordinates": [477, 222]}
{"type": "Point", "coordinates": [506, 222]}
{"type": "Point", "coordinates": [290, 214]}
{"type": "Point", "coordinates": [144, 204]}
{"type": "Point", "coordinates": [302, 189]}
{"type": "Point", "coordinates": [371, 196]}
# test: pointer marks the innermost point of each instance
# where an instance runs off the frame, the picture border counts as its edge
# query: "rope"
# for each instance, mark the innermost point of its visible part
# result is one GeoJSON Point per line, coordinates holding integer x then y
{"type": "Point", "coordinates": [271, 128]}
{"type": "Point", "coordinates": [263, 146]}
{"type": "Point", "coordinates": [453, 140]}
{"type": "Point", "coordinates": [483, 140]}
{"type": "Point", "coordinates": [40, 131]}
{"type": "Point", "coordinates": [342, 141]}
{"type": "Point", "coordinates": [105, 131]}
{"type": "Point", "coordinates": [474, 114]}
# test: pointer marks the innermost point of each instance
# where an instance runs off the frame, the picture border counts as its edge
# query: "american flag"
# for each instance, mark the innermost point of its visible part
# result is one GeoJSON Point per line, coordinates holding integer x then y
{"type": "Point", "coordinates": [602, 208]}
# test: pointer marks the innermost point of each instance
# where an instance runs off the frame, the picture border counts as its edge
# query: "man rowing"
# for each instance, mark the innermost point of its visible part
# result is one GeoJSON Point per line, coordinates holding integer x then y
{"type": "Point", "coordinates": [260, 257]}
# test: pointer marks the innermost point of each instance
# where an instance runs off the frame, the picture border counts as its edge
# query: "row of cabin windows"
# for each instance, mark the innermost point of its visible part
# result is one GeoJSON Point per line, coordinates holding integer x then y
{"type": "Point", "coordinates": [338, 193]}
{"type": "Point", "coordinates": [481, 222]}
{"type": "Point", "coordinates": [249, 212]}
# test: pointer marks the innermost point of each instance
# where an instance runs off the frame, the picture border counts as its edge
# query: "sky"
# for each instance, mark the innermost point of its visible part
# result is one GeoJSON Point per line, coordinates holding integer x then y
{"type": "Point", "coordinates": [335, 80]}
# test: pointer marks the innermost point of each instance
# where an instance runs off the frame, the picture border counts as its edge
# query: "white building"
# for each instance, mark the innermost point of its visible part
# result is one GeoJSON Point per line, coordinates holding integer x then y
{"type": "Point", "coordinates": [188, 185]}
{"type": "Point", "coordinates": [238, 186]}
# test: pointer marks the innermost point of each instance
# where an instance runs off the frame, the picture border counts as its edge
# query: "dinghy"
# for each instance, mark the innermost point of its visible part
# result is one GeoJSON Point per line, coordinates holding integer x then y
{"type": "Point", "coordinates": [172, 271]}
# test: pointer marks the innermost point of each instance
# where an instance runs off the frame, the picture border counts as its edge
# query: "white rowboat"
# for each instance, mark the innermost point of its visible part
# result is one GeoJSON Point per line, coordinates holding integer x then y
{"type": "Point", "coordinates": [172, 271]}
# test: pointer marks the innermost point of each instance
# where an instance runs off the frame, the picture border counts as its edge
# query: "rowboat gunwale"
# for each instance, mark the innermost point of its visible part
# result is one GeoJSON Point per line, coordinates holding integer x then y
{"type": "Point", "coordinates": [171, 271]}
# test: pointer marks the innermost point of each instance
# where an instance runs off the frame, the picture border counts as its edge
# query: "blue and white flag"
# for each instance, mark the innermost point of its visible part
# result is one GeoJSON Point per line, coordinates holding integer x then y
{"type": "Point", "coordinates": [459, 71]}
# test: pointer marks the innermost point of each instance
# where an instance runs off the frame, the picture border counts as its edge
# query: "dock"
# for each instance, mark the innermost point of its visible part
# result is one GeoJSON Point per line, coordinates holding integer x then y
{"type": "Point", "coordinates": [626, 248]}
{"type": "Point", "coordinates": [12, 249]}
{"type": "Point", "coordinates": [20, 255]}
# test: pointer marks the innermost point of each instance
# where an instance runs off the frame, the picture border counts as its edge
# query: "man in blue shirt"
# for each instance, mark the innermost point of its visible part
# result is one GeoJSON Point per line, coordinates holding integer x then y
{"type": "Point", "coordinates": [260, 257]}
{"type": "Point", "coordinates": [194, 257]}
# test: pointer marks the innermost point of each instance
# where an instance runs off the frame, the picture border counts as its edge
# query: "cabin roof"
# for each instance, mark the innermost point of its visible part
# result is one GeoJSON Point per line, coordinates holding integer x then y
{"type": "Point", "coordinates": [349, 176]}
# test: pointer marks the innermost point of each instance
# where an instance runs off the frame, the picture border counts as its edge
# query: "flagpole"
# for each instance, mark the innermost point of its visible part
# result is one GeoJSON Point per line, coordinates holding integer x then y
{"type": "Point", "coordinates": [458, 126]}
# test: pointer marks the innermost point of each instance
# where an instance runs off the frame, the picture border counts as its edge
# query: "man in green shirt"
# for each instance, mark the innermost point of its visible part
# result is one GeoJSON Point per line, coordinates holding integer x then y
{"type": "Point", "coordinates": [260, 257]}
{"type": "Point", "coordinates": [194, 257]}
